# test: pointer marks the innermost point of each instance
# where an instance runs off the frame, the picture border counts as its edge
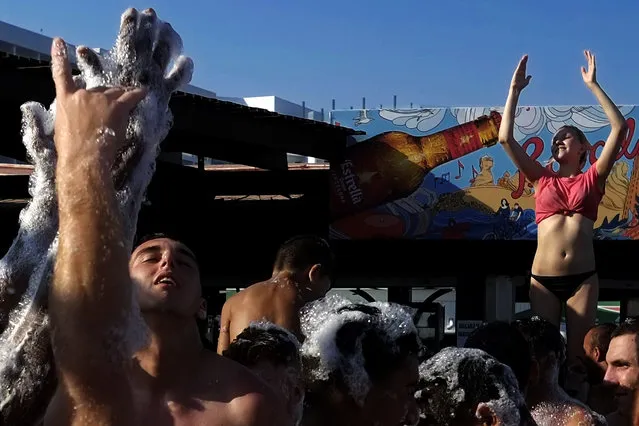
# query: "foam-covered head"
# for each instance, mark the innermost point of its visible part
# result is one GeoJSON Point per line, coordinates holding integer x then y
{"type": "Point", "coordinates": [460, 386]}
{"type": "Point", "coordinates": [167, 278]}
{"type": "Point", "coordinates": [570, 146]}
{"type": "Point", "coordinates": [506, 343]}
{"type": "Point", "coordinates": [272, 353]}
{"type": "Point", "coordinates": [367, 353]}
{"type": "Point", "coordinates": [310, 259]}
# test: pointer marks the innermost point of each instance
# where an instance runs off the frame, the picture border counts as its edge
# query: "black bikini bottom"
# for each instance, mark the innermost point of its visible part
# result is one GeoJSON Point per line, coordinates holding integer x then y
{"type": "Point", "coordinates": [563, 287]}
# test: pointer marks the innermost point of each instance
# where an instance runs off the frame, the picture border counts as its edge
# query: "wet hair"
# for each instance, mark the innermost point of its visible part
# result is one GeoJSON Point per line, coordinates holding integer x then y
{"type": "Point", "coordinates": [455, 381]}
{"type": "Point", "coordinates": [581, 136]}
{"type": "Point", "coordinates": [507, 345]}
{"type": "Point", "coordinates": [365, 349]}
{"type": "Point", "coordinates": [629, 326]}
{"type": "Point", "coordinates": [264, 342]}
{"type": "Point", "coordinates": [304, 251]}
{"type": "Point", "coordinates": [543, 337]}
{"type": "Point", "coordinates": [380, 358]}
{"type": "Point", "coordinates": [601, 335]}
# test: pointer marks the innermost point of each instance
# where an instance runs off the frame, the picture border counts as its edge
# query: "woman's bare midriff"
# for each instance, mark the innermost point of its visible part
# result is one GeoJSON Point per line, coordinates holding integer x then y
{"type": "Point", "coordinates": [564, 246]}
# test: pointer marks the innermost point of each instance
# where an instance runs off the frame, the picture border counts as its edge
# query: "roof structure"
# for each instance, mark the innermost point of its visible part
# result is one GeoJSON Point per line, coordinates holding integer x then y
{"type": "Point", "coordinates": [203, 126]}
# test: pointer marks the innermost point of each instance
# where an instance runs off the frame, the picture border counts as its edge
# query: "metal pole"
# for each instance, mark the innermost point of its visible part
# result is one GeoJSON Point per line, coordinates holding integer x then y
{"type": "Point", "coordinates": [394, 101]}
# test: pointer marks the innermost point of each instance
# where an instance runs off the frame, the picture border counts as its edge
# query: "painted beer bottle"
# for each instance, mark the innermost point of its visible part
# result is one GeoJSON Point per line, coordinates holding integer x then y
{"type": "Point", "coordinates": [393, 165]}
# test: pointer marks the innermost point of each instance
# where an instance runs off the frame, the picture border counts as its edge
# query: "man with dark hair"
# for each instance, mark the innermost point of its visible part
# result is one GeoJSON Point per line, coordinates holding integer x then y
{"type": "Point", "coordinates": [302, 273]}
{"type": "Point", "coordinates": [469, 387]}
{"type": "Point", "coordinates": [547, 400]}
{"type": "Point", "coordinates": [623, 369]}
{"type": "Point", "coordinates": [361, 364]}
{"type": "Point", "coordinates": [507, 345]}
{"type": "Point", "coordinates": [272, 353]}
{"type": "Point", "coordinates": [125, 342]}
{"type": "Point", "coordinates": [165, 275]}
{"type": "Point", "coordinates": [303, 250]}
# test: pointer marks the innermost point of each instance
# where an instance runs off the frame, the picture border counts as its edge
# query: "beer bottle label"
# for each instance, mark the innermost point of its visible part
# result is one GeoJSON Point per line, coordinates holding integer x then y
{"type": "Point", "coordinates": [346, 191]}
{"type": "Point", "coordinates": [375, 172]}
{"type": "Point", "coordinates": [463, 140]}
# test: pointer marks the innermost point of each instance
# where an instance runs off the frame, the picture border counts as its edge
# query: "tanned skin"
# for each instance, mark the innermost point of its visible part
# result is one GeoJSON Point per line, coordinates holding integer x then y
{"type": "Point", "coordinates": [277, 300]}
{"type": "Point", "coordinates": [173, 380]}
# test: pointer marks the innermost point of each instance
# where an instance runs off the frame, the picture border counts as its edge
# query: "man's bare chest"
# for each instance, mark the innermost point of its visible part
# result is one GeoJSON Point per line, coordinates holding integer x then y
{"type": "Point", "coordinates": [180, 409]}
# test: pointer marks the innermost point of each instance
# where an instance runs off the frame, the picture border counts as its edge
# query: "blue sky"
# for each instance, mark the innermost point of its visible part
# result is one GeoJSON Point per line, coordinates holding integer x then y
{"type": "Point", "coordinates": [431, 53]}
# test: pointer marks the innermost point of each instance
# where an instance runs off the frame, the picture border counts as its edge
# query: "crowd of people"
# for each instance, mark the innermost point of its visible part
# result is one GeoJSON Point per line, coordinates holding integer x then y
{"type": "Point", "coordinates": [123, 317]}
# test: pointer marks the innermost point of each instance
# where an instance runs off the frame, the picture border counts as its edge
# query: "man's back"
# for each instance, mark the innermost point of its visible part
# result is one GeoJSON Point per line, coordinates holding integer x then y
{"type": "Point", "coordinates": [275, 300]}
{"type": "Point", "coordinates": [302, 272]}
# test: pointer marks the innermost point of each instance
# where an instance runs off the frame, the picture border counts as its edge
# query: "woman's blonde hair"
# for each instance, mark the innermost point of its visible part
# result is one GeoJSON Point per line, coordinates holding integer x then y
{"type": "Point", "coordinates": [582, 138]}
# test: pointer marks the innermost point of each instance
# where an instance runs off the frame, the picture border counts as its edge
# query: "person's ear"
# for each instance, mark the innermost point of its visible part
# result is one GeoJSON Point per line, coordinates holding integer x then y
{"type": "Point", "coordinates": [315, 273]}
{"type": "Point", "coordinates": [486, 415]}
{"type": "Point", "coordinates": [202, 310]}
{"type": "Point", "coordinates": [598, 355]}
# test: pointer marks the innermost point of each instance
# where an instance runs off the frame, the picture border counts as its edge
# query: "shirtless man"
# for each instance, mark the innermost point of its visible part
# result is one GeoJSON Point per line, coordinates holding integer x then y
{"type": "Point", "coordinates": [548, 402]}
{"type": "Point", "coordinates": [302, 273]}
{"type": "Point", "coordinates": [104, 378]}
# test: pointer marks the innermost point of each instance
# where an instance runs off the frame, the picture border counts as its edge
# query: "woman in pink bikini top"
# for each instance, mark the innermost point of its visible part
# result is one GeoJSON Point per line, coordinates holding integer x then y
{"type": "Point", "coordinates": [563, 271]}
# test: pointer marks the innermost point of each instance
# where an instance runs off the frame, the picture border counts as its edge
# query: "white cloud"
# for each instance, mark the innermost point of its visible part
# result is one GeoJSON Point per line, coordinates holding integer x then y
{"type": "Point", "coordinates": [422, 120]}
{"type": "Point", "coordinates": [530, 121]}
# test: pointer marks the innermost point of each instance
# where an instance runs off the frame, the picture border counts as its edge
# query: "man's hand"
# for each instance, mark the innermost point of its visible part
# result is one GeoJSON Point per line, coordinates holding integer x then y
{"type": "Point", "coordinates": [89, 124]}
{"type": "Point", "coordinates": [143, 51]}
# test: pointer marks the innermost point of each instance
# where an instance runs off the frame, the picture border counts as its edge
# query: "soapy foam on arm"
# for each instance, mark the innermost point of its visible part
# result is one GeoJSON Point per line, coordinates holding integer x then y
{"type": "Point", "coordinates": [25, 272]}
{"type": "Point", "coordinates": [27, 260]}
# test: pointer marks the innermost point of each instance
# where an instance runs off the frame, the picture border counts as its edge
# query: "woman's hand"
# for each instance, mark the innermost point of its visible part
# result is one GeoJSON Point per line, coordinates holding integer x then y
{"type": "Point", "coordinates": [590, 75]}
{"type": "Point", "coordinates": [520, 79]}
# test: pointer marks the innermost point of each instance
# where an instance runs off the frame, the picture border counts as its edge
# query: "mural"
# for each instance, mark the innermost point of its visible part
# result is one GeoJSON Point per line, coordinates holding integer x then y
{"type": "Point", "coordinates": [456, 182]}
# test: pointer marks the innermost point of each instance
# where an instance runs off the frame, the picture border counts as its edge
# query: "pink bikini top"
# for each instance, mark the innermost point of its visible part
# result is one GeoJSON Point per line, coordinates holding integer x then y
{"type": "Point", "coordinates": [568, 195]}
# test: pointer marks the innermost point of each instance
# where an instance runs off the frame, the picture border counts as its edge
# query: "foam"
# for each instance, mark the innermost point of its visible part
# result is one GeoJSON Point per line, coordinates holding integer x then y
{"type": "Point", "coordinates": [26, 268]}
{"type": "Point", "coordinates": [445, 365]}
{"type": "Point", "coordinates": [25, 271]}
{"type": "Point", "coordinates": [396, 320]}
{"type": "Point", "coordinates": [552, 414]}
{"type": "Point", "coordinates": [320, 322]}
